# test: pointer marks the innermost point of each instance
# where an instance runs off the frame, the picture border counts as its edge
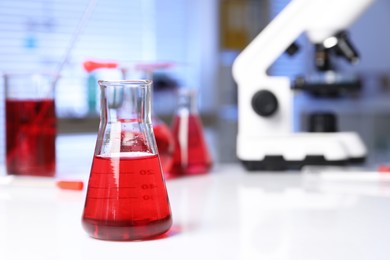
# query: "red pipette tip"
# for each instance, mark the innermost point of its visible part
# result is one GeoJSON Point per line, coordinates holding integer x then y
{"type": "Point", "coordinates": [384, 169]}
{"type": "Point", "coordinates": [70, 185]}
{"type": "Point", "coordinates": [90, 66]}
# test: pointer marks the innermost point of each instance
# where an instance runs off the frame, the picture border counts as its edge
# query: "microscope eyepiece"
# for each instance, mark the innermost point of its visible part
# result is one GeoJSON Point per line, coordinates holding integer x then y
{"type": "Point", "coordinates": [345, 48]}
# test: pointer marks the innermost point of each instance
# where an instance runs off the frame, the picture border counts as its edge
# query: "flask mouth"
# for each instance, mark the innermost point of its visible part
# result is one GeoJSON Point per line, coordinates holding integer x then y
{"type": "Point", "coordinates": [135, 83]}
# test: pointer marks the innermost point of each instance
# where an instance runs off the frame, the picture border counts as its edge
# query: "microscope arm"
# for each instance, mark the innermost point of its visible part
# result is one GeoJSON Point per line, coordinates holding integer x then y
{"type": "Point", "coordinates": [320, 19]}
{"type": "Point", "coordinates": [252, 63]}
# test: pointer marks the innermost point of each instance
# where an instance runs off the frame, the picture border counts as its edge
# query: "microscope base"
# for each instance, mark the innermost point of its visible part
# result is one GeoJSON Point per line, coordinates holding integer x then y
{"type": "Point", "coordinates": [292, 152]}
{"type": "Point", "coordinates": [277, 163]}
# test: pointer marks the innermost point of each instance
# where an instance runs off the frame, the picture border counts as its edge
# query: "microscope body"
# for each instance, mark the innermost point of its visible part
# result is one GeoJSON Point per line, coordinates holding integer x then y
{"type": "Point", "coordinates": [266, 138]}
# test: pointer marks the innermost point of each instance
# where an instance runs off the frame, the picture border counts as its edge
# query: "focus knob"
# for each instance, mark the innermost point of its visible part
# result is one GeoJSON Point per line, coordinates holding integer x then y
{"type": "Point", "coordinates": [264, 103]}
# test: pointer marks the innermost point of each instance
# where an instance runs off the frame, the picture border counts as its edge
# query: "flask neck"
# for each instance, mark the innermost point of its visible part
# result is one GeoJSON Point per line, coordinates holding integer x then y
{"type": "Point", "coordinates": [187, 101]}
{"type": "Point", "coordinates": [125, 121]}
{"type": "Point", "coordinates": [126, 102]}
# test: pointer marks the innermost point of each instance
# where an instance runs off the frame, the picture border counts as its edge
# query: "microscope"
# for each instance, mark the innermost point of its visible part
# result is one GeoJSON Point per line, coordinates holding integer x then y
{"type": "Point", "coordinates": [266, 137]}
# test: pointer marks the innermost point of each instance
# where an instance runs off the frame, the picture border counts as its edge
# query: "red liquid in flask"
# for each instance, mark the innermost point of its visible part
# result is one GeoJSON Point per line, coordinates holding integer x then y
{"type": "Point", "coordinates": [126, 198]}
{"type": "Point", "coordinates": [191, 155]}
{"type": "Point", "coordinates": [30, 131]}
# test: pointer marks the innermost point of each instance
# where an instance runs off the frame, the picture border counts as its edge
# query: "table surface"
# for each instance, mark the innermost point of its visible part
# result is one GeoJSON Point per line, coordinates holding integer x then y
{"type": "Point", "coordinates": [226, 214]}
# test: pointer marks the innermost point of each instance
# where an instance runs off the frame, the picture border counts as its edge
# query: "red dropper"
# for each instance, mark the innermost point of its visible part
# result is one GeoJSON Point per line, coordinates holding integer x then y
{"type": "Point", "coordinates": [90, 65]}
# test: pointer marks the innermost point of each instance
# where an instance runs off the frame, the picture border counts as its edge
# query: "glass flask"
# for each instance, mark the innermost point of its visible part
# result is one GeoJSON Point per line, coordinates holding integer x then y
{"type": "Point", "coordinates": [30, 124]}
{"type": "Point", "coordinates": [191, 153]}
{"type": "Point", "coordinates": [126, 196]}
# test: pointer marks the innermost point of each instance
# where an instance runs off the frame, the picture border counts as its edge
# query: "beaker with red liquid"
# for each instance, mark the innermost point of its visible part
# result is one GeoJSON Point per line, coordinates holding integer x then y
{"type": "Point", "coordinates": [191, 155]}
{"type": "Point", "coordinates": [30, 124]}
{"type": "Point", "coordinates": [126, 197]}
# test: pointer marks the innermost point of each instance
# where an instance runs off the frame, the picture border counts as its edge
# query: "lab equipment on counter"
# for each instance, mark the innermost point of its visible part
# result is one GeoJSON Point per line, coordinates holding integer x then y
{"type": "Point", "coordinates": [30, 124]}
{"type": "Point", "coordinates": [266, 139]}
{"type": "Point", "coordinates": [30, 115]}
{"type": "Point", "coordinates": [126, 197]}
{"type": "Point", "coordinates": [191, 155]}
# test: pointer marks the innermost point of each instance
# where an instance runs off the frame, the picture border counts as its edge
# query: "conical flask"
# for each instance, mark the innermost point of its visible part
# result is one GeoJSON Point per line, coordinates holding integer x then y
{"type": "Point", "coordinates": [126, 197]}
{"type": "Point", "coordinates": [191, 154]}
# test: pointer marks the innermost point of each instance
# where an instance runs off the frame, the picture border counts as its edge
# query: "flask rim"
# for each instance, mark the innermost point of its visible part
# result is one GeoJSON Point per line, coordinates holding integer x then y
{"type": "Point", "coordinates": [132, 82]}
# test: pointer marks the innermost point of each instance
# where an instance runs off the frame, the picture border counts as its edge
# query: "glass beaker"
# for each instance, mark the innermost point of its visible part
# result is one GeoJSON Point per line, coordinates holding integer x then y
{"type": "Point", "coordinates": [191, 153]}
{"type": "Point", "coordinates": [30, 124]}
{"type": "Point", "coordinates": [126, 197]}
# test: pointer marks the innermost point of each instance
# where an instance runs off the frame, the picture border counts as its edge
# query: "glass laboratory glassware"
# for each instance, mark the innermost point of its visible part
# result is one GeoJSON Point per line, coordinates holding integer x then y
{"type": "Point", "coordinates": [30, 124]}
{"type": "Point", "coordinates": [191, 153]}
{"type": "Point", "coordinates": [126, 197]}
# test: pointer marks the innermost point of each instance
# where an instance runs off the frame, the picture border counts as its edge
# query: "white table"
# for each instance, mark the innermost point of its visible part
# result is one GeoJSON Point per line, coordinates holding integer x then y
{"type": "Point", "coordinates": [227, 214]}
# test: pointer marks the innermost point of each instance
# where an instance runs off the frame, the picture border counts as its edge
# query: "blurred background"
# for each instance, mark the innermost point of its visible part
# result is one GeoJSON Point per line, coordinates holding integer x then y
{"type": "Point", "coordinates": [200, 40]}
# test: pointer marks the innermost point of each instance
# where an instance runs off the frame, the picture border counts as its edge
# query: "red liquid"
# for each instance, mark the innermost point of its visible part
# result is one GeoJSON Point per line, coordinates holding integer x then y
{"type": "Point", "coordinates": [126, 199]}
{"type": "Point", "coordinates": [197, 158]}
{"type": "Point", "coordinates": [165, 145]}
{"type": "Point", "coordinates": [30, 137]}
